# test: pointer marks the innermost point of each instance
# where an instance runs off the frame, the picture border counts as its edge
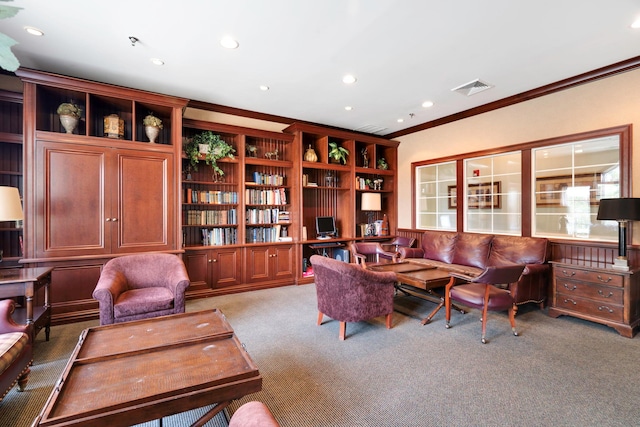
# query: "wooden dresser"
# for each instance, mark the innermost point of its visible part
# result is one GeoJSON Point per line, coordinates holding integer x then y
{"type": "Point", "coordinates": [598, 294]}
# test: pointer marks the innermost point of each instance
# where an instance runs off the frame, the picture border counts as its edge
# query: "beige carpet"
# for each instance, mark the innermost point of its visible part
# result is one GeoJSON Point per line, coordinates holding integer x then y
{"type": "Point", "coordinates": [560, 372]}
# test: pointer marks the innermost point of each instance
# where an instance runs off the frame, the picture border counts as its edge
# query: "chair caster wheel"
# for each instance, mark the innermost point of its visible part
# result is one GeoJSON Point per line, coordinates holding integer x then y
{"type": "Point", "coordinates": [447, 326]}
{"type": "Point", "coordinates": [484, 341]}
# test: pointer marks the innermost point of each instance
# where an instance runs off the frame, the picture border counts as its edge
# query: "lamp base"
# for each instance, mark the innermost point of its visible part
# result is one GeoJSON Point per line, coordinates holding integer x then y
{"type": "Point", "coordinates": [620, 264]}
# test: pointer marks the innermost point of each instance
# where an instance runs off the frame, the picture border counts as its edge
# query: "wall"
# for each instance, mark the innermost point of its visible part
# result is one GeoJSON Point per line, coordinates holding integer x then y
{"type": "Point", "coordinates": [605, 103]}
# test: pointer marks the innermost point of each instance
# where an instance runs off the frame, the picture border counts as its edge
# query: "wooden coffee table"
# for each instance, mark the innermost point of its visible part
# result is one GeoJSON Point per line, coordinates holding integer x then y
{"type": "Point", "coordinates": [420, 277]}
{"type": "Point", "coordinates": [134, 372]}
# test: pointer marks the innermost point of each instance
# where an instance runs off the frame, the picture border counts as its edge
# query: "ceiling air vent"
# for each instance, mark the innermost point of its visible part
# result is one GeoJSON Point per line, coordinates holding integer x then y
{"type": "Point", "coordinates": [373, 129]}
{"type": "Point", "coordinates": [472, 87]}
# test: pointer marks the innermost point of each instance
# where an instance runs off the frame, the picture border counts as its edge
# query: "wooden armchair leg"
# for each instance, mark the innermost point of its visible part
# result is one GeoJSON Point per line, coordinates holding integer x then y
{"type": "Point", "coordinates": [512, 319]}
{"type": "Point", "coordinates": [22, 381]}
{"type": "Point", "coordinates": [343, 330]}
{"type": "Point", "coordinates": [389, 318]}
{"type": "Point", "coordinates": [320, 318]}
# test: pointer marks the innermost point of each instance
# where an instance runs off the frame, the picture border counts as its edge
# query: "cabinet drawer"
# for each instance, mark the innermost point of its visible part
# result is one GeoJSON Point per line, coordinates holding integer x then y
{"type": "Point", "coordinates": [602, 309]}
{"type": "Point", "coordinates": [590, 290]}
{"type": "Point", "coordinates": [601, 278]}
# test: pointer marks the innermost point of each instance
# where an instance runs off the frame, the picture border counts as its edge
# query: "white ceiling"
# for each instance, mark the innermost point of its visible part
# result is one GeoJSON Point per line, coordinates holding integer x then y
{"type": "Point", "coordinates": [403, 52]}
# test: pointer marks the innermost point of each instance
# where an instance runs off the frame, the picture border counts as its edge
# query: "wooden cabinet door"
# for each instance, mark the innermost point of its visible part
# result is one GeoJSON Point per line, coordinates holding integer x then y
{"type": "Point", "coordinates": [226, 269]}
{"type": "Point", "coordinates": [257, 263]}
{"type": "Point", "coordinates": [282, 260]}
{"type": "Point", "coordinates": [198, 269]}
{"type": "Point", "coordinates": [143, 212]}
{"type": "Point", "coordinates": [71, 203]}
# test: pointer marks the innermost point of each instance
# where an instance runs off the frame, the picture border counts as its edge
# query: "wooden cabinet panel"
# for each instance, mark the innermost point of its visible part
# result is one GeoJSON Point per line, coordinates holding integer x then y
{"type": "Point", "coordinates": [270, 263]}
{"type": "Point", "coordinates": [99, 200]}
{"type": "Point", "coordinates": [226, 269]}
{"type": "Point", "coordinates": [211, 269]}
{"type": "Point", "coordinates": [283, 262]}
{"type": "Point", "coordinates": [143, 216]}
{"type": "Point", "coordinates": [258, 258]}
{"type": "Point", "coordinates": [72, 201]}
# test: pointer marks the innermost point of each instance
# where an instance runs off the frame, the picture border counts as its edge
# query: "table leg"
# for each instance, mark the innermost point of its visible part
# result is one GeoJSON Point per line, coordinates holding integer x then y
{"type": "Point", "coordinates": [212, 413]}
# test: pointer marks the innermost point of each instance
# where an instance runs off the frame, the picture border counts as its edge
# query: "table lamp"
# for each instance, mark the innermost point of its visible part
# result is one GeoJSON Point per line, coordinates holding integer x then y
{"type": "Point", "coordinates": [10, 206]}
{"type": "Point", "coordinates": [622, 210]}
{"type": "Point", "coordinates": [370, 203]}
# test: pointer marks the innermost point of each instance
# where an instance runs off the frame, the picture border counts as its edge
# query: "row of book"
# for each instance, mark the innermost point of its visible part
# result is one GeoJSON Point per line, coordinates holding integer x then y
{"type": "Point", "coordinates": [254, 196]}
{"type": "Point", "coordinates": [267, 216]}
{"type": "Point", "coordinates": [213, 197]}
{"type": "Point", "coordinates": [266, 234]}
{"type": "Point", "coordinates": [208, 217]}
{"type": "Point", "coordinates": [268, 179]}
{"type": "Point", "coordinates": [219, 236]}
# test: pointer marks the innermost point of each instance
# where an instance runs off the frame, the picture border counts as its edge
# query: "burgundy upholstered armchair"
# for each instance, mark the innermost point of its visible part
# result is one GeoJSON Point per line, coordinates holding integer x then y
{"type": "Point", "coordinates": [349, 293]}
{"type": "Point", "coordinates": [140, 286]}
{"type": "Point", "coordinates": [360, 251]}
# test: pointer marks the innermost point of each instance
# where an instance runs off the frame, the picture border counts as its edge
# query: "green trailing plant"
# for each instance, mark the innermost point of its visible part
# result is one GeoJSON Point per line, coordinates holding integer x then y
{"type": "Point", "coordinates": [337, 153]}
{"type": "Point", "coordinates": [382, 164]}
{"type": "Point", "coordinates": [217, 149]}
{"type": "Point", "coordinates": [8, 60]}
{"type": "Point", "coordinates": [151, 120]}
{"type": "Point", "coordinates": [69, 109]}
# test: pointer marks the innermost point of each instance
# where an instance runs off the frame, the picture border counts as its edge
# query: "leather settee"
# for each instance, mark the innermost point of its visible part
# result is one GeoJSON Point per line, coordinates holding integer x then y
{"type": "Point", "coordinates": [16, 350]}
{"type": "Point", "coordinates": [470, 253]}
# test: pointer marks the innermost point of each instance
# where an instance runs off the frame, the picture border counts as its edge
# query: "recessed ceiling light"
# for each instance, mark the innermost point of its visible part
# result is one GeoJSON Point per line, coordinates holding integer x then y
{"type": "Point", "coordinates": [157, 61]}
{"type": "Point", "coordinates": [348, 108]}
{"type": "Point", "coordinates": [400, 120]}
{"type": "Point", "coordinates": [427, 104]}
{"type": "Point", "coordinates": [349, 79]}
{"type": "Point", "coordinates": [264, 88]}
{"type": "Point", "coordinates": [229, 43]}
{"type": "Point", "coordinates": [34, 31]}
{"type": "Point", "coordinates": [636, 23]}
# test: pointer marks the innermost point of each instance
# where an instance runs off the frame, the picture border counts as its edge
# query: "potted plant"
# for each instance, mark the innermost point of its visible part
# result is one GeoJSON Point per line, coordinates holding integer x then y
{"type": "Point", "coordinates": [152, 126]}
{"type": "Point", "coordinates": [69, 115]}
{"type": "Point", "coordinates": [217, 149]}
{"type": "Point", "coordinates": [382, 164]}
{"type": "Point", "coordinates": [338, 154]}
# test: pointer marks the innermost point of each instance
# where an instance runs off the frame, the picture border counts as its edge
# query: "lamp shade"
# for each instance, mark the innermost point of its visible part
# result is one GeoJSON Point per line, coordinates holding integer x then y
{"type": "Point", "coordinates": [10, 206]}
{"type": "Point", "coordinates": [371, 202]}
{"type": "Point", "coordinates": [625, 209]}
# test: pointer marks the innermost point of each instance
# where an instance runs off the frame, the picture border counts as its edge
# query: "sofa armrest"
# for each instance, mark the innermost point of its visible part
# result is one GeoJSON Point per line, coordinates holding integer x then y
{"type": "Point", "coordinates": [178, 282]}
{"type": "Point", "coordinates": [7, 324]}
{"type": "Point", "coordinates": [111, 284]}
{"type": "Point", "coordinates": [411, 253]}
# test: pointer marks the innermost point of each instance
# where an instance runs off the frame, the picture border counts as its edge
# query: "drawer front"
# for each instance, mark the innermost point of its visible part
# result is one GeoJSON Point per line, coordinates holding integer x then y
{"type": "Point", "coordinates": [589, 290]}
{"type": "Point", "coordinates": [601, 309]}
{"type": "Point", "coordinates": [601, 278]}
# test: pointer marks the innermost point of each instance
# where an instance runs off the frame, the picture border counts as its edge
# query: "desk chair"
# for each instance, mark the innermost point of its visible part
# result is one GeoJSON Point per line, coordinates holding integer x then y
{"type": "Point", "coordinates": [480, 292]}
{"type": "Point", "coordinates": [400, 242]}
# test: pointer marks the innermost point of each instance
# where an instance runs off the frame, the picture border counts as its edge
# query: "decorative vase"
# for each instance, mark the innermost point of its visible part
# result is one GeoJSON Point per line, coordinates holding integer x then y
{"type": "Point", "coordinates": [203, 148]}
{"type": "Point", "coordinates": [310, 155]}
{"type": "Point", "coordinates": [152, 133]}
{"type": "Point", "coordinates": [113, 126]}
{"type": "Point", "coordinates": [69, 122]}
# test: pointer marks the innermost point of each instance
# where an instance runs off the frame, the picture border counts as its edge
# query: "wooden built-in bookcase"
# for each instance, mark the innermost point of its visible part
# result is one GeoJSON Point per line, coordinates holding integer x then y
{"type": "Point", "coordinates": [89, 197]}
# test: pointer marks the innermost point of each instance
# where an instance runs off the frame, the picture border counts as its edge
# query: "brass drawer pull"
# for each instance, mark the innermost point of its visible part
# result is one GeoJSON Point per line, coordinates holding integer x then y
{"type": "Point", "coordinates": [603, 280]}
{"type": "Point", "coordinates": [604, 307]}
{"type": "Point", "coordinates": [603, 295]}
{"type": "Point", "coordinates": [573, 273]}
{"type": "Point", "coordinates": [570, 301]}
{"type": "Point", "coordinates": [572, 288]}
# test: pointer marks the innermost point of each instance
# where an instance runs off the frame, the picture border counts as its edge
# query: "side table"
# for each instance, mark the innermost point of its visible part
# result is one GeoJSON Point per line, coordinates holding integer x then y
{"type": "Point", "coordinates": [26, 282]}
{"type": "Point", "coordinates": [603, 295]}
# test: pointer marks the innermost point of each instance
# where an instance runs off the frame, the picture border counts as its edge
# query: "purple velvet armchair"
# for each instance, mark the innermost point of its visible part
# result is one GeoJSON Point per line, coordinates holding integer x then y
{"type": "Point", "coordinates": [140, 286]}
{"type": "Point", "coordinates": [350, 293]}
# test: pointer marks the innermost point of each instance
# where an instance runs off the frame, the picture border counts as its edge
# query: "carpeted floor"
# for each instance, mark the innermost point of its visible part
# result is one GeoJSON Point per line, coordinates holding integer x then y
{"type": "Point", "coordinates": [560, 372]}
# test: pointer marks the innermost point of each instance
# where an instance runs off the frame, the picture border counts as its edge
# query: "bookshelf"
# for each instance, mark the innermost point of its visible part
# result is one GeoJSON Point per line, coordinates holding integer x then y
{"type": "Point", "coordinates": [11, 172]}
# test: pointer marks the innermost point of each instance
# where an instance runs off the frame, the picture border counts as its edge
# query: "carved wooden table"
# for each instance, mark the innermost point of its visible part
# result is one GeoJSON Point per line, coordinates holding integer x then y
{"type": "Point", "coordinates": [134, 372]}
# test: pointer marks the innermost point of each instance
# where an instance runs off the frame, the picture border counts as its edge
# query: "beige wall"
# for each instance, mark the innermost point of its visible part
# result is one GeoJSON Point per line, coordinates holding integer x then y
{"type": "Point", "coordinates": [605, 103]}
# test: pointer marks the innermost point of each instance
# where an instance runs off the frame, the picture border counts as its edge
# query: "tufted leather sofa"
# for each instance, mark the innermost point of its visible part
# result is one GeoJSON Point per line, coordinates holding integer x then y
{"type": "Point", "coordinates": [16, 350]}
{"type": "Point", "coordinates": [470, 253]}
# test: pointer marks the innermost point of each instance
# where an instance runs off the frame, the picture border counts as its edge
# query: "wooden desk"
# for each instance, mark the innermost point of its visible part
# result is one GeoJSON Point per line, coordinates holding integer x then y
{"type": "Point", "coordinates": [15, 282]}
{"type": "Point", "coordinates": [134, 372]}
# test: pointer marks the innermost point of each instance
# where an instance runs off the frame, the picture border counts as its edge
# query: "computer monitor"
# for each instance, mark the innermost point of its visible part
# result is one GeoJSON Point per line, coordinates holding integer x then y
{"type": "Point", "coordinates": [325, 227]}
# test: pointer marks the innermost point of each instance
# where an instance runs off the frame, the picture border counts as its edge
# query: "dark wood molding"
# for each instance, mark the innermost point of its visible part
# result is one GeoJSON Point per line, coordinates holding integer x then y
{"type": "Point", "coordinates": [201, 105]}
{"type": "Point", "coordinates": [588, 77]}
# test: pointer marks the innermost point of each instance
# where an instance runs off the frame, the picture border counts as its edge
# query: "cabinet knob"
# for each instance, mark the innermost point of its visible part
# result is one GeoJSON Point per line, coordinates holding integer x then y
{"type": "Point", "coordinates": [114, 219]}
{"type": "Point", "coordinates": [108, 219]}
